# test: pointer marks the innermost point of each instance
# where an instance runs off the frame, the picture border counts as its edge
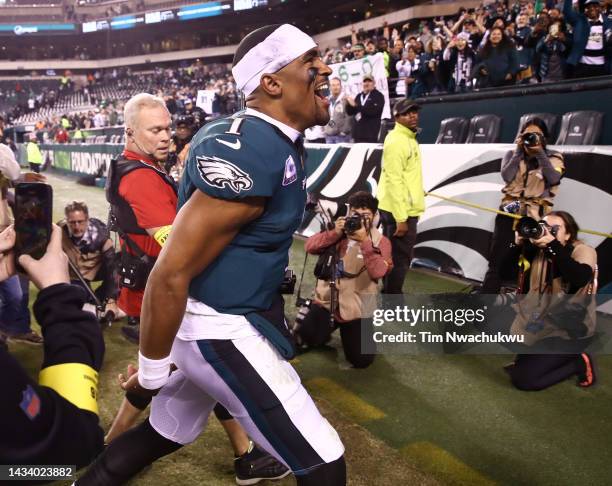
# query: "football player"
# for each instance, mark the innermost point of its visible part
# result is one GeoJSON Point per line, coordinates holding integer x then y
{"type": "Point", "coordinates": [212, 304]}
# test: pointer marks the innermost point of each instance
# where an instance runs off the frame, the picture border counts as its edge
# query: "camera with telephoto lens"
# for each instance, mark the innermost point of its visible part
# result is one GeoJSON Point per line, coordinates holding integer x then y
{"type": "Point", "coordinates": [353, 223]}
{"type": "Point", "coordinates": [530, 139]}
{"type": "Point", "coordinates": [530, 228]}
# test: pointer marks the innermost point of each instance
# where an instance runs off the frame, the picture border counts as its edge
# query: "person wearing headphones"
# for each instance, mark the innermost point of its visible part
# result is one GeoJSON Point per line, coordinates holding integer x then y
{"type": "Point", "coordinates": [143, 199]}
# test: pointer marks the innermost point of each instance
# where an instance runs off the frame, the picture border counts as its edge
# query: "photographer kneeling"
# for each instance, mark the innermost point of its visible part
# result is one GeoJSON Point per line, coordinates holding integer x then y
{"type": "Point", "coordinates": [532, 174]}
{"type": "Point", "coordinates": [363, 257]}
{"type": "Point", "coordinates": [86, 241]}
{"type": "Point", "coordinates": [558, 313]}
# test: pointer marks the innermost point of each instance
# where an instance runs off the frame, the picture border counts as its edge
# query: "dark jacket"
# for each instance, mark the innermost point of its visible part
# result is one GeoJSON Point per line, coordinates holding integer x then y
{"type": "Point", "coordinates": [436, 80]}
{"type": "Point", "coordinates": [367, 127]}
{"type": "Point", "coordinates": [524, 52]}
{"type": "Point", "coordinates": [498, 63]}
{"type": "Point", "coordinates": [546, 49]}
{"type": "Point", "coordinates": [38, 425]}
{"type": "Point", "coordinates": [581, 29]}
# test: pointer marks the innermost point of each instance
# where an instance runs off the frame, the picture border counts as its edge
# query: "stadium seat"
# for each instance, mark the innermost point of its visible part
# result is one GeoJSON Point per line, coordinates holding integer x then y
{"type": "Point", "coordinates": [453, 130]}
{"type": "Point", "coordinates": [580, 128]}
{"type": "Point", "coordinates": [386, 126]}
{"type": "Point", "coordinates": [550, 119]}
{"type": "Point", "coordinates": [484, 129]}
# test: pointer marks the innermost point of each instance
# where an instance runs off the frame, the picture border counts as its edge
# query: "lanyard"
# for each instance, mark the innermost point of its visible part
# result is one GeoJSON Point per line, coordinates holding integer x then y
{"type": "Point", "coordinates": [364, 100]}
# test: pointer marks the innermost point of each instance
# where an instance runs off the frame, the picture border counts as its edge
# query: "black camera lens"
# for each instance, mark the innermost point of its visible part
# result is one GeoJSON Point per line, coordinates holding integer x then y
{"type": "Point", "coordinates": [530, 228]}
{"type": "Point", "coordinates": [352, 223]}
{"type": "Point", "coordinates": [530, 139]}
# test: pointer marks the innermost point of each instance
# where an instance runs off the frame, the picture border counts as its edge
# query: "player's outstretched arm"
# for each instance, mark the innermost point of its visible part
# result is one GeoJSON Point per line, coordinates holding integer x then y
{"type": "Point", "coordinates": [202, 229]}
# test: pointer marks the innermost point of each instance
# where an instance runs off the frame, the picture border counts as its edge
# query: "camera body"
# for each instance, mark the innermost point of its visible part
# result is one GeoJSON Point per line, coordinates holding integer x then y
{"type": "Point", "coordinates": [531, 139]}
{"type": "Point", "coordinates": [530, 228]}
{"type": "Point", "coordinates": [288, 285]}
{"type": "Point", "coordinates": [353, 223]}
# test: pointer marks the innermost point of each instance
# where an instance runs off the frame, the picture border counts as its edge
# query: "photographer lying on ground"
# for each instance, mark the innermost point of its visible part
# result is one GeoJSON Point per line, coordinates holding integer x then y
{"type": "Point", "coordinates": [363, 256]}
{"type": "Point", "coordinates": [532, 174]}
{"type": "Point", "coordinates": [86, 241]}
{"type": "Point", "coordinates": [54, 421]}
{"type": "Point", "coordinates": [559, 264]}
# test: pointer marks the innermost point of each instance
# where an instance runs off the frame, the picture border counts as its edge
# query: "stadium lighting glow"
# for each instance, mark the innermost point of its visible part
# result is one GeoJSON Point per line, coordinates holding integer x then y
{"type": "Point", "coordinates": [125, 22]}
{"type": "Point", "coordinates": [202, 10]}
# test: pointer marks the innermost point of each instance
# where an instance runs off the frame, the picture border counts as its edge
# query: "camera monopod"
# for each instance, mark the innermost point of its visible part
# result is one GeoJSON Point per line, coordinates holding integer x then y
{"type": "Point", "coordinates": [333, 289]}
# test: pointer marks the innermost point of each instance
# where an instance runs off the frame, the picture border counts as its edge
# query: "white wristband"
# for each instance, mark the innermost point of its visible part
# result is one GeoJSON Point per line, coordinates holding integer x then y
{"type": "Point", "coordinates": [153, 373]}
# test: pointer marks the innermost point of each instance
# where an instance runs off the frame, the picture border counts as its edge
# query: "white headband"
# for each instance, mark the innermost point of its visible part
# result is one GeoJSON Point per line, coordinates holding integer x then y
{"type": "Point", "coordinates": [281, 47]}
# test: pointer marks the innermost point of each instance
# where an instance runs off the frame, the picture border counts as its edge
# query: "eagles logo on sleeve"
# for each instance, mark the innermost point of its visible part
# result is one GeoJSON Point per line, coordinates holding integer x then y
{"type": "Point", "coordinates": [220, 173]}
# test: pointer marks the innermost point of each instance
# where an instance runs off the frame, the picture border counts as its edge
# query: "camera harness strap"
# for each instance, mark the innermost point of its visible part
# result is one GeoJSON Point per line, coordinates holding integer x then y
{"type": "Point", "coordinates": [112, 195]}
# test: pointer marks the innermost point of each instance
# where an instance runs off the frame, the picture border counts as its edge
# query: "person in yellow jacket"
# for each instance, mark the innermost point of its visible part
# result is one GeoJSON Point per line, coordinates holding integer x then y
{"type": "Point", "coordinates": [400, 191]}
{"type": "Point", "coordinates": [35, 157]}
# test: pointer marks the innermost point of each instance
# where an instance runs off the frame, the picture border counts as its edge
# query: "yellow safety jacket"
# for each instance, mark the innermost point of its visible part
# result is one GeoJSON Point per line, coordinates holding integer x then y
{"type": "Point", "coordinates": [400, 190]}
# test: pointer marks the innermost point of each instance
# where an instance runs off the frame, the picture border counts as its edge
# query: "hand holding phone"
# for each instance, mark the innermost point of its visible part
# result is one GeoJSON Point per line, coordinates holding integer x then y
{"type": "Point", "coordinates": [52, 268]}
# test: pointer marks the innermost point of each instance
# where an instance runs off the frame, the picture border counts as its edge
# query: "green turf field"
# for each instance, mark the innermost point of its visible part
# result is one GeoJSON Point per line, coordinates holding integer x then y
{"type": "Point", "coordinates": [407, 419]}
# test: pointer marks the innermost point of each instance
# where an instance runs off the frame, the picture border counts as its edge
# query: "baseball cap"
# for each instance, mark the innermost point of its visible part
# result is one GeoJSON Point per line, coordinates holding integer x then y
{"type": "Point", "coordinates": [589, 2]}
{"type": "Point", "coordinates": [367, 77]}
{"type": "Point", "coordinates": [184, 120]}
{"type": "Point", "coordinates": [359, 47]}
{"type": "Point", "coordinates": [404, 106]}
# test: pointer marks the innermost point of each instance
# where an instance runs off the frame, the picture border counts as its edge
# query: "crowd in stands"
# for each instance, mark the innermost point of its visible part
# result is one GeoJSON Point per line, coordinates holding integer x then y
{"type": "Point", "coordinates": [103, 93]}
{"type": "Point", "coordinates": [499, 44]}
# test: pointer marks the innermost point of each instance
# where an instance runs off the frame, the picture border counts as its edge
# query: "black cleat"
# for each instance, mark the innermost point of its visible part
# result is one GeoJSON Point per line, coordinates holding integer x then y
{"type": "Point", "coordinates": [131, 333]}
{"type": "Point", "coordinates": [257, 465]}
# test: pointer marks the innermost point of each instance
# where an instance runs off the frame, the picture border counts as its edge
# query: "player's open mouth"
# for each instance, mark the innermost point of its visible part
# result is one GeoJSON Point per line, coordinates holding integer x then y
{"type": "Point", "coordinates": [322, 95]}
{"type": "Point", "coordinates": [322, 91]}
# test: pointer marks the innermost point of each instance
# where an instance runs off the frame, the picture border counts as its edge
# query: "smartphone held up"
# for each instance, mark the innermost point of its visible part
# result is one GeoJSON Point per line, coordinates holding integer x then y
{"type": "Point", "coordinates": [33, 214]}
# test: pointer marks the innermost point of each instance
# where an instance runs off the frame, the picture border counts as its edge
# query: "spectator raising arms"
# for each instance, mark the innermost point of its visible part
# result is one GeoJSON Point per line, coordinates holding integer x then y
{"type": "Point", "coordinates": [497, 62]}
{"type": "Point", "coordinates": [460, 58]}
{"type": "Point", "coordinates": [552, 52]}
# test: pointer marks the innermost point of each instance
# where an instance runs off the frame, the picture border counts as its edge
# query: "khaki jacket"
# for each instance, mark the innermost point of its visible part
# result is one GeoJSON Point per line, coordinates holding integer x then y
{"type": "Point", "coordinates": [530, 188]}
{"type": "Point", "coordinates": [540, 300]}
{"type": "Point", "coordinates": [357, 296]}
